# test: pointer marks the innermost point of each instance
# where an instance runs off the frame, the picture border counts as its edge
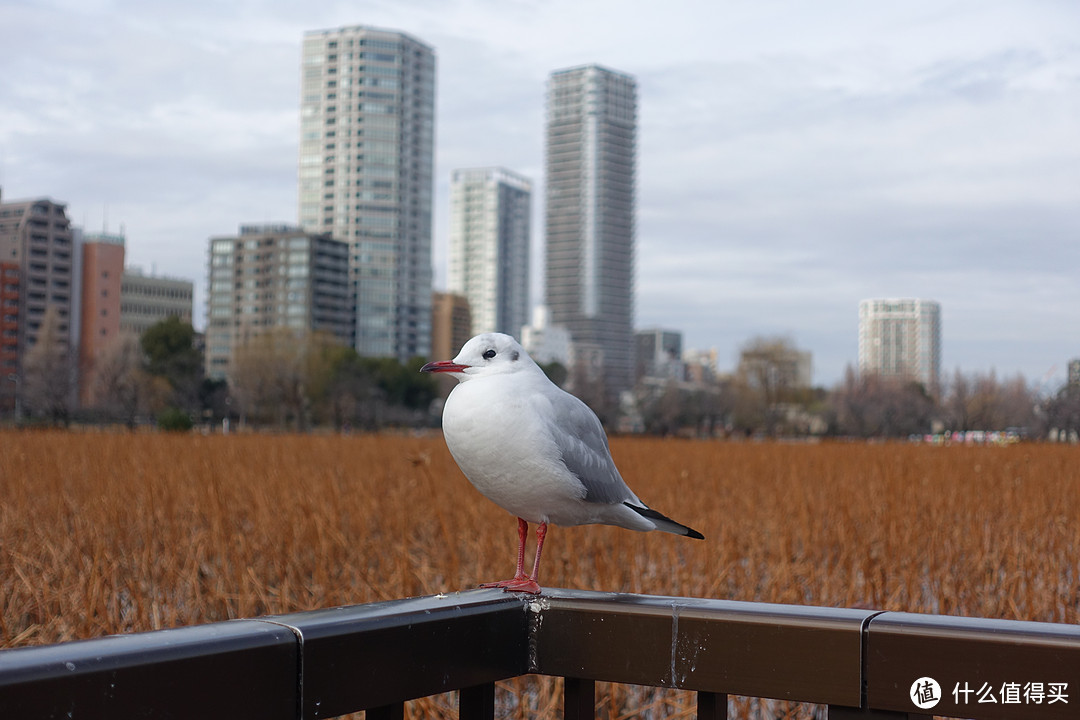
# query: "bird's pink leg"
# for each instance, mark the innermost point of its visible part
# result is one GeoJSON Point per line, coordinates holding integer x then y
{"type": "Point", "coordinates": [519, 575]}
{"type": "Point", "coordinates": [523, 533]}
{"type": "Point", "coordinates": [541, 534]}
{"type": "Point", "coordinates": [529, 584]}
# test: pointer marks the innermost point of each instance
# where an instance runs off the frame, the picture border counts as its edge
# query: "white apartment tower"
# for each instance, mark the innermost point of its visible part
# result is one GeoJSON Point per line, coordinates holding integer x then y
{"type": "Point", "coordinates": [490, 213]}
{"type": "Point", "coordinates": [901, 338]}
{"type": "Point", "coordinates": [590, 161]}
{"type": "Point", "coordinates": [367, 122]}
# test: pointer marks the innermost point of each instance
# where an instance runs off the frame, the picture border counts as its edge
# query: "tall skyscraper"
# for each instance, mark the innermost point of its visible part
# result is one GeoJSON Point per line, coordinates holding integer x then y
{"type": "Point", "coordinates": [591, 150]}
{"type": "Point", "coordinates": [367, 139]}
{"type": "Point", "coordinates": [901, 338]}
{"type": "Point", "coordinates": [490, 216]}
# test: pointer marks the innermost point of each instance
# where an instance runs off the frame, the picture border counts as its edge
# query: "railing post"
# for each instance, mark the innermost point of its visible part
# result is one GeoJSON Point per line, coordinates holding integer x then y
{"type": "Point", "coordinates": [477, 702]}
{"type": "Point", "coordinates": [393, 711]}
{"type": "Point", "coordinates": [711, 706]}
{"type": "Point", "coordinates": [579, 699]}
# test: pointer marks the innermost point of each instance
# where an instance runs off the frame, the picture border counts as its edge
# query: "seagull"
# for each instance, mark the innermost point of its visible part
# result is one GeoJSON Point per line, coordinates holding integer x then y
{"type": "Point", "coordinates": [534, 450]}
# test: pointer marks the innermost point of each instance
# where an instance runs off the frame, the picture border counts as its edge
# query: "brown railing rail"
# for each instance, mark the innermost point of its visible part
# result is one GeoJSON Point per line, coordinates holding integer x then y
{"type": "Point", "coordinates": [324, 663]}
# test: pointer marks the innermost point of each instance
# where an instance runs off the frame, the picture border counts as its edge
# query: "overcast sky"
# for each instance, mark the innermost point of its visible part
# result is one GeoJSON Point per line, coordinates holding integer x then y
{"type": "Point", "coordinates": [793, 157]}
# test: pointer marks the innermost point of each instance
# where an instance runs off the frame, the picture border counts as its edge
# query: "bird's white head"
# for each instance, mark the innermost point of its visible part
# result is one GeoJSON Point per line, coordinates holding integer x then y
{"type": "Point", "coordinates": [485, 355]}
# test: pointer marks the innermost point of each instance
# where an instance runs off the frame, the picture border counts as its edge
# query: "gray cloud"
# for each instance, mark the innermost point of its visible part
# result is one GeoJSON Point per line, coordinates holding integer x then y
{"type": "Point", "coordinates": [793, 158]}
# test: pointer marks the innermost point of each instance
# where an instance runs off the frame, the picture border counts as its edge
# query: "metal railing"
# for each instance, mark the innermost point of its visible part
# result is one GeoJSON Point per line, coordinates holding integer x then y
{"type": "Point", "coordinates": [374, 657]}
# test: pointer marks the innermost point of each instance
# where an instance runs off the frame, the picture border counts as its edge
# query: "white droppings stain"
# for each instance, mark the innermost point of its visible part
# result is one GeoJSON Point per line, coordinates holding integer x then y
{"type": "Point", "coordinates": [674, 642]}
{"type": "Point", "coordinates": [70, 666]}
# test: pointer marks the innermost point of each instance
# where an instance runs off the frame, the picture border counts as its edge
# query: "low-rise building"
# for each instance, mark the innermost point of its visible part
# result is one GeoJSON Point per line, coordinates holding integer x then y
{"type": "Point", "coordinates": [146, 300]}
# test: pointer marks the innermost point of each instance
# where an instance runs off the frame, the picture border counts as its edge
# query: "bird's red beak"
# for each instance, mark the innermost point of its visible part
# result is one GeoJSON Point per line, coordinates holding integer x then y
{"type": "Point", "coordinates": [443, 366]}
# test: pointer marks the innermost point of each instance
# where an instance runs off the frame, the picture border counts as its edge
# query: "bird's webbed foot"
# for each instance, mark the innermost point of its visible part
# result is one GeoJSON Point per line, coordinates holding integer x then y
{"type": "Point", "coordinates": [516, 584]}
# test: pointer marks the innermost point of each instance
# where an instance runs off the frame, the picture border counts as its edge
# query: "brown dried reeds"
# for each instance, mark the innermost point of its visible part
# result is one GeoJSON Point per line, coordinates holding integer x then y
{"type": "Point", "coordinates": [104, 533]}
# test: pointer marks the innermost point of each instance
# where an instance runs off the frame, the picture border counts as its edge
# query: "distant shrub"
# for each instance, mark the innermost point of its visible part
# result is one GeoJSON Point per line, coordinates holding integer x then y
{"type": "Point", "coordinates": [174, 419]}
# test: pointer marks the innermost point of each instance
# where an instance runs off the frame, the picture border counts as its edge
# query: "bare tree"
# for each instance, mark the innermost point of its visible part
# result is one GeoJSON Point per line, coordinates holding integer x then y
{"type": "Point", "coordinates": [663, 405]}
{"type": "Point", "coordinates": [1062, 412]}
{"type": "Point", "coordinates": [869, 405]}
{"type": "Point", "coordinates": [123, 386]}
{"type": "Point", "coordinates": [587, 381]}
{"type": "Point", "coordinates": [979, 401]}
{"type": "Point", "coordinates": [48, 368]}
{"type": "Point", "coordinates": [770, 374]}
{"type": "Point", "coordinates": [275, 374]}
{"type": "Point", "coordinates": [957, 402]}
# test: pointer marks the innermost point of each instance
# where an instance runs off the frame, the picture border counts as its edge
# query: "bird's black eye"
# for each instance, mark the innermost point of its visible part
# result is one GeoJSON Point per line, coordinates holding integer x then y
{"type": "Point", "coordinates": [489, 354]}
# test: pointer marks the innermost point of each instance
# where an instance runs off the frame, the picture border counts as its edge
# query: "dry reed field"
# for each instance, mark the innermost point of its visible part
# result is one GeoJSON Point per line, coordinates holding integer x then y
{"type": "Point", "coordinates": [105, 533]}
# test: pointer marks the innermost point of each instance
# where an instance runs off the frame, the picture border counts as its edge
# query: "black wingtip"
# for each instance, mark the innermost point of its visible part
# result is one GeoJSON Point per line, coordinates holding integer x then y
{"type": "Point", "coordinates": [664, 520]}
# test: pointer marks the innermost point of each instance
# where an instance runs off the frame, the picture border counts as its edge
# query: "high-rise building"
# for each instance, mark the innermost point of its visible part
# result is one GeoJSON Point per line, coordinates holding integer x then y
{"type": "Point", "coordinates": [901, 338]}
{"type": "Point", "coordinates": [659, 354]}
{"type": "Point", "coordinates": [274, 276]}
{"type": "Point", "coordinates": [591, 150]}
{"type": "Point", "coordinates": [37, 236]}
{"type": "Point", "coordinates": [99, 306]}
{"type": "Point", "coordinates": [367, 139]}
{"type": "Point", "coordinates": [146, 300]}
{"type": "Point", "coordinates": [490, 216]}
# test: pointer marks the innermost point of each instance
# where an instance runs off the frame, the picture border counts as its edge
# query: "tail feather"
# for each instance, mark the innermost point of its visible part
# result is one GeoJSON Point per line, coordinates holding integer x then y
{"type": "Point", "coordinates": [663, 522]}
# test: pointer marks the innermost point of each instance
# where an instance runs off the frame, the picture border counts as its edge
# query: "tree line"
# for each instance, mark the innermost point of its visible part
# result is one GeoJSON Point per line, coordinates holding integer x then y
{"type": "Point", "coordinates": [761, 399]}
{"type": "Point", "coordinates": [281, 379]}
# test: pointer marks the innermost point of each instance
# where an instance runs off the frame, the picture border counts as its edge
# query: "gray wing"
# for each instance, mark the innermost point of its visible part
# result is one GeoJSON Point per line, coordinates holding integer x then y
{"type": "Point", "coordinates": [583, 445]}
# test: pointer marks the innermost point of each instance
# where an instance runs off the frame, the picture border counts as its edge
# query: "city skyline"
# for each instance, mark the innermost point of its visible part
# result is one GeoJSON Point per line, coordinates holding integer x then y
{"type": "Point", "coordinates": [907, 151]}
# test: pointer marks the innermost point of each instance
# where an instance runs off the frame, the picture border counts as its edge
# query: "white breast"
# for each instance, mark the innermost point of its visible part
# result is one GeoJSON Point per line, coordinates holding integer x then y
{"type": "Point", "coordinates": [506, 451]}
